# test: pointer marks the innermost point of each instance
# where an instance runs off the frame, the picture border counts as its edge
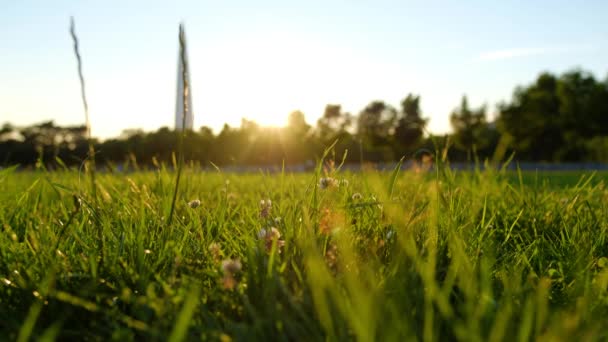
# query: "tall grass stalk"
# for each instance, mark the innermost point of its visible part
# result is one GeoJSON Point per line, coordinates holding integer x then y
{"type": "Point", "coordinates": [186, 93]}
{"type": "Point", "coordinates": [91, 156]}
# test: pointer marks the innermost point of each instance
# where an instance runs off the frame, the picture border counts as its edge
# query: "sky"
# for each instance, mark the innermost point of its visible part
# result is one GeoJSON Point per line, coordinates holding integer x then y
{"type": "Point", "coordinates": [262, 60]}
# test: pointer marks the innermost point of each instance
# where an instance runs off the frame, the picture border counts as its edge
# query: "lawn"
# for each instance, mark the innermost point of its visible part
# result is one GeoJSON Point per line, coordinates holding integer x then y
{"type": "Point", "coordinates": [331, 255]}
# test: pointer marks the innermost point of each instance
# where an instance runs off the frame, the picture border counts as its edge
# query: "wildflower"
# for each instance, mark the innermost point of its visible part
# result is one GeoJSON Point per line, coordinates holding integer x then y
{"type": "Point", "coordinates": [357, 196]}
{"type": "Point", "coordinates": [194, 203]}
{"type": "Point", "coordinates": [327, 182]}
{"type": "Point", "coordinates": [230, 267]}
{"type": "Point", "coordinates": [215, 250]}
{"type": "Point", "coordinates": [331, 221]}
{"type": "Point", "coordinates": [268, 236]}
{"type": "Point", "coordinates": [331, 257]}
{"type": "Point", "coordinates": [147, 251]}
{"type": "Point", "coordinates": [265, 206]}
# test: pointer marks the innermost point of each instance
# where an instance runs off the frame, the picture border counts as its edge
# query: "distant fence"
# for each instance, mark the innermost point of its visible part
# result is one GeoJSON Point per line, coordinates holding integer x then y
{"type": "Point", "coordinates": [356, 167]}
{"type": "Point", "coordinates": [526, 166]}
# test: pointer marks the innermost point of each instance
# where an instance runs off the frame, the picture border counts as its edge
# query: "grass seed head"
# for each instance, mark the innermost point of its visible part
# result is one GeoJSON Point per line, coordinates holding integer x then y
{"type": "Point", "coordinates": [328, 182]}
{"type": "Point", "coordinates": [215, 250]}
{"type": "Point", "coordinates": [331, 257]}
{"type": "Point", "coordinates": [194, 203]}
{"type": "Point", "coordinates": [265, 207]}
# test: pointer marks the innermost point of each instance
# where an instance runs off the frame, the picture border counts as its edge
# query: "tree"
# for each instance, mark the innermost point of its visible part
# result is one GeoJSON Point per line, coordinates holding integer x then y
{"type": "Point", "coordinates": [296, 124]}
{"type": "Point", "coordinates": [375, 127]}
{"type": "Point", "coordinates": [375, 123]}
{"type": "Point", "coordinates": [7, 128]}
{"type": "Point", "coordinates": [468, 125]}
{"type": "Point", "coordinates": [555, 118]}
{"type": "Point", "coordinates": [295, 138]}
{"type": "Point", "coordinates": [410, 123]}
{"type": "Point", "coordinates": [333, 124]}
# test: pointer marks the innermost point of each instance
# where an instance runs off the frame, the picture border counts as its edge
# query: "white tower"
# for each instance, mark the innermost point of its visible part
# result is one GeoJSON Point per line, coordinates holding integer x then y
{"type": "Point", "coordinates": [179, 104]}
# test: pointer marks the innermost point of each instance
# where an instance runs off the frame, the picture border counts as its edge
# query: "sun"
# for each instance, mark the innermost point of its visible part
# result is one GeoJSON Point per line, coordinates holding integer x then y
{"type": "Point", "coordinates": [265, 78]}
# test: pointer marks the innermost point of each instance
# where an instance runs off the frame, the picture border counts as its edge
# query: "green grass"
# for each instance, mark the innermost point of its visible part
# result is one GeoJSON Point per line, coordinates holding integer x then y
{"type": "Point", "coordinates": [479, 256]}
{"type": "Point", "coordinates": [556, 179]}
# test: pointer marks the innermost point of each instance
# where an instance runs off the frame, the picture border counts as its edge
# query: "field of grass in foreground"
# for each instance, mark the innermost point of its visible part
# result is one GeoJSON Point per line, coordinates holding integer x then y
{"type": "Point", "coordinates": [471, 256]}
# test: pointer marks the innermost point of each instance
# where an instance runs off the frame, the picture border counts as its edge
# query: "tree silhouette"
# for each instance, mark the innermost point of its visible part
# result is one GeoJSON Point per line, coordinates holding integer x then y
{"type": "Point", "coordinates": [556, 118]}
{"type": "Point", "coordinates": [468, 125]}
{"type": "Point", "coordinates": [410, 123]}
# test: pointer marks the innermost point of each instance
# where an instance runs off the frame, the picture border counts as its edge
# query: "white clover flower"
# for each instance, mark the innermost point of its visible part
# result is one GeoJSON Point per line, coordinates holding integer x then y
{"type": "Point", "coordinates": [269, 233]}
{"type": "Point", "coordinates": [262, 234]}
{"type": "Point", "coordinates": [194, 203]}
{"type": "Point", "coordinates": [231, 266]}
{"type": "Point", "coordinates": [265, 207]}
{"type": "Point", "coordinates": [356, 196]}
{"type": "Point", "coordinates": [268, 236]}
{"type": "Point", "coordinates": [327, 182]}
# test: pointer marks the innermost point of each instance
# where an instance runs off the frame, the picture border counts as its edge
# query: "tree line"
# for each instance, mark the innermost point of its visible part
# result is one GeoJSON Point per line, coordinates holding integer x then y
{"type": "Point", "coordinates": [554, 119]}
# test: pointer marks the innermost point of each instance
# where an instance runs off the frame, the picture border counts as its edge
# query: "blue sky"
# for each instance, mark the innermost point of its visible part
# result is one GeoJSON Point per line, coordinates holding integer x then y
{"type": "Point", "coordinates": [263, 59]}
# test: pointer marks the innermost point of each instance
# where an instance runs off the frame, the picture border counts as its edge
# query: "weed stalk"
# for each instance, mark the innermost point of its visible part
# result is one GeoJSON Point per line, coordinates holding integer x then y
{"type": "Point", "coordinates": [91, 156]}
{"type": "Point", "coordinates": [186, 93]}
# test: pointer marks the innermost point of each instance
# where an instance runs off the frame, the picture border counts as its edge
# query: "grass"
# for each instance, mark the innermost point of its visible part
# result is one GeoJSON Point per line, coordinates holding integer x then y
{"type": "Point", "coordinates": [469, 256]}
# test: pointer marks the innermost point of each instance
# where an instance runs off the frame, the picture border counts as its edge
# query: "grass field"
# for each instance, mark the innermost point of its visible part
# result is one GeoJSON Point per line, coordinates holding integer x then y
{"type": "Point", "coordinates": [440, 255]}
